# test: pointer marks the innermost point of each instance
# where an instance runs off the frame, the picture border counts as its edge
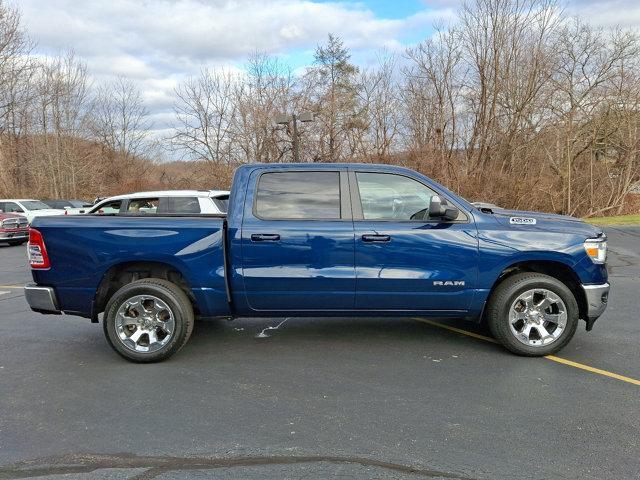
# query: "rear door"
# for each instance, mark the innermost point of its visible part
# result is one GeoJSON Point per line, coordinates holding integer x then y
{"type": "Point", "coordinates": [297, 241]}
{"type": "Point", "coordinates": [404, 261]}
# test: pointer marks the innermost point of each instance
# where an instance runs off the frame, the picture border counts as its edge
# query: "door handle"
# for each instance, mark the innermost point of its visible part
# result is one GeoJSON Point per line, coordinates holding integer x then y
{"type": "Point", "coordinates": [376, 238]}
{"type": "Point", "coordinates": [265, 237]}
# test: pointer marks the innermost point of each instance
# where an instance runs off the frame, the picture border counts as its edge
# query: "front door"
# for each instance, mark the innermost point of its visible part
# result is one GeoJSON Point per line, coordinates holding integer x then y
{"type": "Point", "coordinates": [404, 262]}
{"type": "Point", "coordinates": [297, 242]}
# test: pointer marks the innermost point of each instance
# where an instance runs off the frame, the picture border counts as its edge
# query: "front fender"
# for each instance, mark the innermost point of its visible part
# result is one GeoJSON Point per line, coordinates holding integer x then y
{"type": "Point", "coordinates": [500, 250]}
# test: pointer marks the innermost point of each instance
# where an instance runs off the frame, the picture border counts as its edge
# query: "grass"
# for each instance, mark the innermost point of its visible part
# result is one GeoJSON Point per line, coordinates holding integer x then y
{"type": "Point", "coordinates": [619, 220]}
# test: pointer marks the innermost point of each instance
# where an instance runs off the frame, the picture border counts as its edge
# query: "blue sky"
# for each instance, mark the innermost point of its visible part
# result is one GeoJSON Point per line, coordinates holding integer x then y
{"type": "Point", "coordinates": [159, 43]}
{"type": "Point", "coordinates": [381, 9]}
{"type": "Point", "coordinates": [390, 8]}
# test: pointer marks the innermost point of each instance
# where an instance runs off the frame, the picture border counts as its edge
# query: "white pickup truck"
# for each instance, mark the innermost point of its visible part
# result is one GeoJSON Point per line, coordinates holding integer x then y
{"type": "Point", "coordinates": [28, 207]}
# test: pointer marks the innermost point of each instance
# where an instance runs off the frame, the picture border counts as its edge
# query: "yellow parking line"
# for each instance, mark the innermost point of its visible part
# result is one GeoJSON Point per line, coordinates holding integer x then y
{"type": "Point", "coordinates": [593, 369]}
{"type": "Point", "coordinates": [17, 287]}
{"type": "Point", "coordinates": [553, 358]}
{"type": "Point", "coordinates": [457, 330]}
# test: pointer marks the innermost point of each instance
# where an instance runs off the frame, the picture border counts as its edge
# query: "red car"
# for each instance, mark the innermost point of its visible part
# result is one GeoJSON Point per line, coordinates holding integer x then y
{"type": "Point", "coordinates": [14, 229]}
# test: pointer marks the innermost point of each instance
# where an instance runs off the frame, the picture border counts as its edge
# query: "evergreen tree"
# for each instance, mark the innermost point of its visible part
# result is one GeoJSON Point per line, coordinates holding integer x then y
{"type": "Point", "coordinates": [335, 104]}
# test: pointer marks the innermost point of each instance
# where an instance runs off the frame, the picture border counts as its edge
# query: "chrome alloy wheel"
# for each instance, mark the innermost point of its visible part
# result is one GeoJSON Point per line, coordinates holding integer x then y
{"type": "Point", "coordinates": [537, 317]}
{"type": "Point", "coordinates": [144, 323]}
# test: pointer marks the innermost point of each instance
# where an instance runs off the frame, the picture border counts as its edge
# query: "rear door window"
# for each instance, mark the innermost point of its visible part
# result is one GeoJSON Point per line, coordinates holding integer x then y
{"type": "Point", "coordinates": [143, 205]}
{"type": "Point", "coordinates": [298, 196]}
{"type": "Point", "coordinates": [183, 205]}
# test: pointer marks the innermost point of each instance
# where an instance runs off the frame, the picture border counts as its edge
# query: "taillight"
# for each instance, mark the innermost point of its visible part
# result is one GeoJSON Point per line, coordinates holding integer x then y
{"type": "Point", "coordinates": [38, 257]}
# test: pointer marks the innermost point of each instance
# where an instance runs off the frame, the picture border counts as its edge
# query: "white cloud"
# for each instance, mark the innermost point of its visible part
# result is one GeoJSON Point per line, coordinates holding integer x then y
{"type": "Point", "coordinates": [158, 43]}
{"type": "Point", "coordinates": [607, 13]}
{"type": "Point", "coordinates": [207, 31]}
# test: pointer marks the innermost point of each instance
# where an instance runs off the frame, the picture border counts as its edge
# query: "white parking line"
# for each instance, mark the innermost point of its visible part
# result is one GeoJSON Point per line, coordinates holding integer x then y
{"type": "Point", "coordinates": [3, 292]}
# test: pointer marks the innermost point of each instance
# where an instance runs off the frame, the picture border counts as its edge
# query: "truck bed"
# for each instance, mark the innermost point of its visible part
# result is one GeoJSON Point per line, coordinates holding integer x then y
{"type": "Point", "coordinates": [84, 248]}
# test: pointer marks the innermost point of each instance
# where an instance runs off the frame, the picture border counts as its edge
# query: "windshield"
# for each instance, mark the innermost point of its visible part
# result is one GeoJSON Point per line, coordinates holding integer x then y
{"type": "Point", "coordinates": [35, 205]}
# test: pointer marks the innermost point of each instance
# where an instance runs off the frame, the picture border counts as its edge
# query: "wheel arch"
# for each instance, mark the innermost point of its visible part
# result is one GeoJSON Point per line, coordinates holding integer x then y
{"type": "Point", "coordinates": [123, 273]}
{"type": "Point", "coordinates": [553, 268]}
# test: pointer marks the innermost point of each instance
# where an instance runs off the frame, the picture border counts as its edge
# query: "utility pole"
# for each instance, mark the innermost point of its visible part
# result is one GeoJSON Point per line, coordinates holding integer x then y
{"type": "Point", "coordinates": [296, 140]}
{"type": "Point", "coordinates": [295, 136]}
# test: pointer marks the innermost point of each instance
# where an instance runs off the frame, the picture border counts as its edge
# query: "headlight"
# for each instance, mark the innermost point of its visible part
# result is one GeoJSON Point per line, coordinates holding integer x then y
{"type": "Point", "coordinates": [597, 250]}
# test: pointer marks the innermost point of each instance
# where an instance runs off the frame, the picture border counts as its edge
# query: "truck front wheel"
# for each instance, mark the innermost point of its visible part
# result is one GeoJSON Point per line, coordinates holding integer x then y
{"type": "Point", "coordinates": [148, 320]}
{"type": "Point", "coordinates": [532, 314]}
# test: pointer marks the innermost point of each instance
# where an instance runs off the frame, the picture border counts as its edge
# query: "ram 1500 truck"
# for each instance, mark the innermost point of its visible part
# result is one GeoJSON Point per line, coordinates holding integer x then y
{"type": "Point", "coordinates": [322, 240]}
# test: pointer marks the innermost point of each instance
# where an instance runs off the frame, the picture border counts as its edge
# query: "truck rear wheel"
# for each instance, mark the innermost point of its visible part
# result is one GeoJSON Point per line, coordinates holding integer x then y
{"type": "Point", "coordinates": [532, 314]}
{"type": "Point", "coordinates": [148, 320]}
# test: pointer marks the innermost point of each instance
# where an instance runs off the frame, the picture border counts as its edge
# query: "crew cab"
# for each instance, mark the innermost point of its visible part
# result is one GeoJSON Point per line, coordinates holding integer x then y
{"type": "Point", "coordinates": [322, 240]}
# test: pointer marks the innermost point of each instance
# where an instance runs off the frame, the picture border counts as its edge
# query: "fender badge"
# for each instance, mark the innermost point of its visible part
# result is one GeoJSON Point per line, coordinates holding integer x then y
{"type": "Point", "coordinates": [522, 221]}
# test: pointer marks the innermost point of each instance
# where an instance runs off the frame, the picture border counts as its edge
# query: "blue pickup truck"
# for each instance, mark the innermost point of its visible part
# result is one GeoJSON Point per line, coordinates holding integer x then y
{"type": "Point", "coordinates": [322, 240]}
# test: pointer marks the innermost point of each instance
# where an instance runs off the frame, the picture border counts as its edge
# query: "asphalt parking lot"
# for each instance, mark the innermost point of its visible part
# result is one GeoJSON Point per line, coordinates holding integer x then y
{"type": "Point", "coordinates": [348, 398]}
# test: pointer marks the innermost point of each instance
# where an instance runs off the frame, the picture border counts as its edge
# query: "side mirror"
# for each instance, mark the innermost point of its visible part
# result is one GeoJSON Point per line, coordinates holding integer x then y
{"type": "Point", "coordinates": [439, 208]}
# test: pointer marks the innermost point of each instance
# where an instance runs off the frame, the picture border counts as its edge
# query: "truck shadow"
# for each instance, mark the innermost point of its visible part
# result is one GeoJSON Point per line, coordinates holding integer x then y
{"type": "Point", "coordinates": [319, 333]}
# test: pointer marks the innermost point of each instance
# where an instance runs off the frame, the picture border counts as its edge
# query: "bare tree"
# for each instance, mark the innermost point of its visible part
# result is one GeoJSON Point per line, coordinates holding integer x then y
{"type": "Point", "coordinates": [120, 120]}
{"type": "Point", "coordinates": [16, 70]}
{"type": "Point", "coordinates": [205, 111]}
{"type": "Point", "coordinates": [432, 95]}
{"type": "Point", "coordinates": [380, 109]}
{"type": "Point", "coordinates": [588, 65]}
{"type": "Point", "coordinates": [59, 119]}
{"type": "Point", "coordinates": [266, 91]}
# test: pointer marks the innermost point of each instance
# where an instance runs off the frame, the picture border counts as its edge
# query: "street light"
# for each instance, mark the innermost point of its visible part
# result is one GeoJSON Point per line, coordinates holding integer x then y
{"type": "Point", "coordinates": [284, 119]}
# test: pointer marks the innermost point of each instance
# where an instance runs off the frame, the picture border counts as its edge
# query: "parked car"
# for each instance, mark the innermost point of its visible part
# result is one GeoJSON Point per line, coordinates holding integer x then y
{"type": "Point", "coordinates": [14, 228]}
{"type": "Point", "coordinates": [322, 240]}
{"type": "Point", "coordinates": [65, 204]}
{"type": "Point", "coordinates": [167, 201]}
{"type": "Point", "coordinates": [28, 207]}
{"type": "Point", "coordinates": [485, 206]}
{"type": "Point", "coordinates": [70, 207]}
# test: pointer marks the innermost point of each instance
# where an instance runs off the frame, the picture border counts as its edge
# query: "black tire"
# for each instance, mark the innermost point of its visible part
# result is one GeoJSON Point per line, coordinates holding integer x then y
{"type": "Point", "coordinates": [497, 313]}
{"type": "Point", "coordinates": [15, 243]}
{"type": "Point", "coordinates": [174, 298]}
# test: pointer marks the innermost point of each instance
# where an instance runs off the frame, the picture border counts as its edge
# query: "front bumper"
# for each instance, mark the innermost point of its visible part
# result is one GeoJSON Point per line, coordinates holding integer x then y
{"type": "Point", "coordinates": [41, 299]}
{"type": "Point", "coordinates": [14, 235]}
{"type": "Point", "coordinates": [597, 298]}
